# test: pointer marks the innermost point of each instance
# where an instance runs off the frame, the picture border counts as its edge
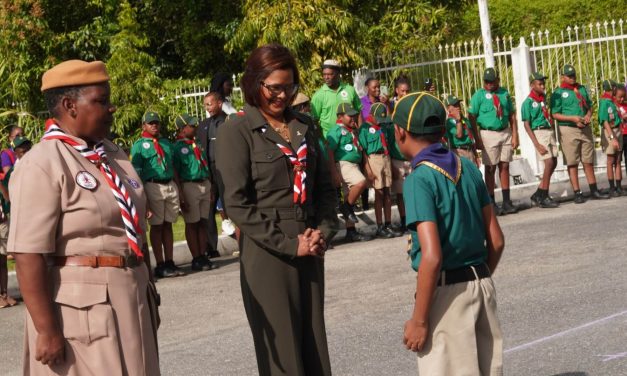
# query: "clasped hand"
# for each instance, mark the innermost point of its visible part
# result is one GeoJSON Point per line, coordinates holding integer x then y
{"type": "Point", "coordinates": [311, 243]}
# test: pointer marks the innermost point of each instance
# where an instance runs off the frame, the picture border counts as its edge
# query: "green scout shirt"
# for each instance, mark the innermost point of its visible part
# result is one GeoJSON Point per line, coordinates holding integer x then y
{"type": "Point", "coordinates": [482, 107]}
{"type": "Point", "coordinates": [451, 134]}
{"type": "Point", "coordinates": [370, 138]}
{"type": "Point", "coordinates": [145, 162]}
{"type": "Point", "coordinates": [531, 111]}
{"type": "Point", "coordinates": [457, 209]}
{"type": "Point", "coordinates": [340, 142]}
{"type": "Point", "coordinates": [188, 167]}
{"type": "Point", "coordinates": [565, 102]}
{"type": "Point", "coordinates": [395, 152]}
{"type": "Point", "coordinates": [608, 112]}
{"type": "Point", "coordinates": [325, 101]}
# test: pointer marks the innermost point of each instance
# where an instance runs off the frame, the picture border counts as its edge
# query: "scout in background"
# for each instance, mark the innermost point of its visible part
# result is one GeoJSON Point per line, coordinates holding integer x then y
{"type": "Point", "coordinates": [456, 244]}
{"type": "Point", "coordinates": [401, 89]}
{"type": "Point", "coordinates": [373, 95]}
{"type": "Point", "coordinates": [493, 119]}
{"type": "Point", "coordinates": [346, 155]}
{"type": "Point", "coordinates": [7, 156]}
{"type": "Point", "coordinates": [19, 146]}
{"type": "Point", "coordinates": [539, 127]}
{"type": "Point", "coordinates": [571, 107]}
{"type": "Point", "coordinates": [459, 134]}
{"type": "Point", "coordinates": [151, 157]}
{"type": "Point", "coordinates": [378, 165]}
{"type": "Point", "coordinates": [611, 136]}
{"type": "Point", "coordinates": [400, 166]}
{"type": "Point", "coordinates": [429, 86]}
{"type": "Point", "coordinates": [195, 197]}
{"type": "Point", "coordinates": [619, 99]}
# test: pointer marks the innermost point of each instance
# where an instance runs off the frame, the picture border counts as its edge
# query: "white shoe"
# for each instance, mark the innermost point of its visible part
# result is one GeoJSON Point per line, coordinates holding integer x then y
{"type": "Point", "coordinates": [228, 228]}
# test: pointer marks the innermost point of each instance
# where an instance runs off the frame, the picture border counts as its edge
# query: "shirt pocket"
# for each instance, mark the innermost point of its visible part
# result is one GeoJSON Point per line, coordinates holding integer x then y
{"type": "Point", "coordinates": [84, 311]}
{"type": "Point", "coordinates": [271, 170]}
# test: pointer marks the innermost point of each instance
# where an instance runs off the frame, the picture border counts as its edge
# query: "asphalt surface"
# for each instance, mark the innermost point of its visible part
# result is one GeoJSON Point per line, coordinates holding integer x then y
{"type": "Point", "coordinates": [561, 300]}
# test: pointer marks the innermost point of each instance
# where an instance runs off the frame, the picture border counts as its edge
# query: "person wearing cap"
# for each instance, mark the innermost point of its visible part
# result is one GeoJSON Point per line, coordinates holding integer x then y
{"type": "Point", "coordinates": [374, 139]}
{"type": "Point", "coordinates": [611, 136]}
{"type": "Point", "coordinates": [191, 171]}
{"type": "Point", "coordinates": [78, 237]}
{"type": "Point", "coordinates": [373, 95]}
{"type": "Point", "coordinates": [459, 134]}
{"type": "Point", "coordinates": [456, 244]}
{"type": "Point", "coordinates": [325, 101]}
{"type": "Point", "coordinates": [571, 108]}
{"type": "Point", "coordinates": [151, 156]}
{"type": "Point", "coordinates": [539, 126]}
{"type": "Point", "coordinates": [346, 156]}
{"type": "Point", "coordinates": [429, 86]}
{"type": "Point", "coordinates": [493, 120]}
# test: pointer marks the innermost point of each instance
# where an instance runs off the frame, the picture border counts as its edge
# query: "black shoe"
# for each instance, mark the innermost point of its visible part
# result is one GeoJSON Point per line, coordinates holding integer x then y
{"type": "Point", "coordinates": [535, 199]}
{"type": "Point", "coordinates": [169, 264]}
{"type": "Point", "coordinates": [398, 228]}
{"type": "Point", "coordinates": [213, 254]}
{"type": "Point", "coordinates": [348, 214]}
{"type": "Point", "coordinates": [354, 236]}
{"type": "Point", "coordinates": [620, 191]}
{"type": "Point", "coordinates": [201, 264]}
{"type": "Point", "coordinates": [508, 208]}
{"type": "Point", "coordinates": [383, 233]}
{"type": "Point", "coordinates": [162, 271]}
{"type": "Point", "coordinates": [614, 193]}
{"type": "Point", "coordinates": [549, 203]}
{"type": "Point", "coordinates": [579, 199]}
{"type": "Point", "coordinates": [393, 231]}
{"type": "Point", "coordinates": [596, 195]}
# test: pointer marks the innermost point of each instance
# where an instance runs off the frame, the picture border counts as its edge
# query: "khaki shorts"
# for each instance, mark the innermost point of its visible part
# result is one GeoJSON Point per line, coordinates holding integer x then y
{"type": "Point", "coordinates": [577, 145]}
{"type": "Point", "coordinates": [381, 166]}
{"type": "Point", "coordinates": [465, 335]}
{"type": "Point", "coordinates": [546, 138]}
{"type": "Point", "coordinates": [163, 202]}
{"type": "Point", "coordinates": [607, 146]}
{"type": "Point", "coordinates": [497, 146]}
{"type": "Point", "coordinates": [402, 169]}
{"type": "Point", "coordinates": [466, 153]}
{"type": "Point", "coordinates": [198, 196]}
{"type": "Point", "coordinates": [350, 173]}
{"type": "Point", "coordinates": [4, 236]}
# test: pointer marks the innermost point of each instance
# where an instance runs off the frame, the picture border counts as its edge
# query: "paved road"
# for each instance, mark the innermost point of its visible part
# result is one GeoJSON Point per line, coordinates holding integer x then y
{"type": "Point", "coordinates": [561, 294]}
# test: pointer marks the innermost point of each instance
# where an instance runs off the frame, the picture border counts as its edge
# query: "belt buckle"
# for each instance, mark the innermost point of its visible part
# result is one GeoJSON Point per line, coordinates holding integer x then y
{"type": "Point", "coordinates": [93, 261]}
{"type": "Point", "coordinates": [131, 261]}
{"type": "Point", "coordinates": [299, 213]}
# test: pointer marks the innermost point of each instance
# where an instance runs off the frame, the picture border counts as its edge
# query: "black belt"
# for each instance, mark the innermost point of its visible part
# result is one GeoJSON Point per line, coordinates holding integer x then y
{"type": "Point", "coordinates": [194, 181]}
{"type": "Point", "coordinates": [465, 147]}
{"type": "Point", "coordinates": [298, 213]}
{"type": "Point", "coordinates": [465, 274]}
{"type": "Point", "coordinates": [159, 181]}
{"type": "Point", "coordinates": [537, 129]}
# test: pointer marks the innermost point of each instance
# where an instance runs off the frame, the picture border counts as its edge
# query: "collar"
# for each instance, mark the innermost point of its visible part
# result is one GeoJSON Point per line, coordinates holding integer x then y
{"type": "Point", "coordinates": [440, 159]}
{"type": "Point", "coordinates": [340, 86]}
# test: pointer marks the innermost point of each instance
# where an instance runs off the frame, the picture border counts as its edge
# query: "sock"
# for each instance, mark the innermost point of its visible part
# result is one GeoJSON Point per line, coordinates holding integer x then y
{"type": "Point", "coordinates": [593, 188]}
{"type": "Point", "coordinates": [543, 193]}
{"type": "Point", "coordinates": [578, 192]}
{"type": "Point", "coordinates": [611, 184]}
{"type": "Point", "coordinates": [618, 184]}
{"type": "Point", "coordinates": [403, 223]}
{"type": "Point", "coordinates": [160, 263]}
{"type": "Point", "coordinates": [387, 224]}
{"type": "Point", "coordinates": [505, 193]}
{"type": "Point", "coordinates": [351, 229]}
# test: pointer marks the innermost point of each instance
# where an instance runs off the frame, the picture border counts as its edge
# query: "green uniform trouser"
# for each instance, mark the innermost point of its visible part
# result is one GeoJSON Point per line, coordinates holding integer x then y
{"type": "Point", "coordinates": [284, 301]}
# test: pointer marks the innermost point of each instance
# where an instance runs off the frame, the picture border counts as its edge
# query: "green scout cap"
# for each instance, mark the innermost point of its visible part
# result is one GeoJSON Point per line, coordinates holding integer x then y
{"type": "Point", "coordinates": [20, 140]}
{"type": "Point", "coordinates": [568, 70]}
{"type": "Point", "coordinates": [346, 108]}
{"type": "Point", "coordinates": [185, 119]}
{"type": "Point", "coordinates": [536, 76]}
{"type": "Point", "coordinates": [615, 84]}
{"type": "Point", "coordinates": [451, 100]}
{"type": "Point", "coordinates": [380, 113]}
{"type": "Point", "coordinates": [420, 113]}
{"type": "Point", "coordinates": [150, 117]}
{"type": "Point", "coordinates": [490, 75]}
{"type": "Point", "coordinates": [608, 85]}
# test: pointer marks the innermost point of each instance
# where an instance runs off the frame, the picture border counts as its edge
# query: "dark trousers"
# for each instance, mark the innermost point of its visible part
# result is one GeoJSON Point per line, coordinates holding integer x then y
{"type": "Point", "coordinates": [625, 152]}
{"type": "Point", "coordinates": [212, 226]}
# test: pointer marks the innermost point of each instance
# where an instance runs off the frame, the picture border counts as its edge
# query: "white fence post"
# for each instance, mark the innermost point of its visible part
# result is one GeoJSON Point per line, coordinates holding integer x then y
{"type": "Point", "coordinates": [521, 66]}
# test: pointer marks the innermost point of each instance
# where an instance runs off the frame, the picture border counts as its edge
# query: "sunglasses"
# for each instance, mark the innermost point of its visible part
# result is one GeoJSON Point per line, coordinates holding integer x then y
{"type": "Point", "coordinates": [275, 90]}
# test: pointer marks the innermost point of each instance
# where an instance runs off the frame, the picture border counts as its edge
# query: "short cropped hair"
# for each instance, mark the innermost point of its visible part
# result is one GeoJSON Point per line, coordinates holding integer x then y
{"type": "Point", "coordinates": [53, 97]}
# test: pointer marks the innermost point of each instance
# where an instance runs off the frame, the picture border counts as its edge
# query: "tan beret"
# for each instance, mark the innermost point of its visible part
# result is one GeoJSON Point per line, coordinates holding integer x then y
{"type": "Point", "coordinates": [300, 99]}
{"type": "Point", "coordinates": [74, 73]}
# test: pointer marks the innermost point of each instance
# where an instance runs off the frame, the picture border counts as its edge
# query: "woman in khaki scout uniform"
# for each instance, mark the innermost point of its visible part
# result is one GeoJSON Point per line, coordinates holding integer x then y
{"type": "Point", "coordinates": [278, 191]}
{"type": "Point", "coordinates": [77, 228]}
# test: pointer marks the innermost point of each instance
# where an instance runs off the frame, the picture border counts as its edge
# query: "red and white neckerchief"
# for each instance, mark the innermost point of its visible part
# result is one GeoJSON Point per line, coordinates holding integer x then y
{"type": "Point", "coordinates": [299, 162]}
{"type": "Point", "coordinates": [98, 156]}
{"type": "Point", "coordinates": [582, 101]}
{"type": "Point", "coordinates": [496, 101]}
{"type": "Point", "coordinates": [373, 123]}
{"type": "Point", "coordinates": [197, 152]}
{"type": "Point", "coordinates": [540, 99]}
{"type": "Point", "coordinates": [353, 137]}
{"type": "Point", "coordinates": [158, 149]}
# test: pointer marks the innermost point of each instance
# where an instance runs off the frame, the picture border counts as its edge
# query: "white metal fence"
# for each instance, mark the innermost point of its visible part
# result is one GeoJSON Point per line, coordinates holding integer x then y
{"type": "Point", "coordinates": [192, 98]}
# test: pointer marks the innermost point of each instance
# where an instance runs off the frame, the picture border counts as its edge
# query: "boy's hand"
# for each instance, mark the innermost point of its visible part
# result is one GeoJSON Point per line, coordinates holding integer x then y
{"type": "Point", "coordinates": [415, 335]}
{"type": "Point", "coordinates": [615, 144]}
{"type": "Point", "coordinates": [541, 149]}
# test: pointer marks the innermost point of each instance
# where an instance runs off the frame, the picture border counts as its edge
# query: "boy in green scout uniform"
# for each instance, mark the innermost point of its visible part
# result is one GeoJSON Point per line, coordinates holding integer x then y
{"type": "Point", "coordinates": [456, 244]}
{"type": "Point", "coordinates": [345, 155]}
{"type": "Point", "coordinates": [460, 137]}
{"type": "Point", "coordinates": [491, 110]}
{"type": "Point", "coordinates": [401, 167]}
{"type": "Point", "coordinates": [611, 136]}
{"type": "Point", "coordinates": [151, 157]}
{"type": "Point", "coordinates": [571, 107]}
{"type": "Point", "coordinates": [192, 175]}
{"type": "Point", "coordinates": [539, 127]}
{"type": "Point", "coordinates": [373, 138]}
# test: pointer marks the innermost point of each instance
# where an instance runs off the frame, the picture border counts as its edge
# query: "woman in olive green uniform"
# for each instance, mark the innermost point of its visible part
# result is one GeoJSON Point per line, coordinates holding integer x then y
{"type": "Point", "coordinates": [278, 191]}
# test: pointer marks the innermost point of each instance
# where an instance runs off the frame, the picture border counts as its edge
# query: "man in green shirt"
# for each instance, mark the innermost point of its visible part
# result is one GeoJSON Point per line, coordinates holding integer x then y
{"type": "Point", "coordinates": [345, 155]}
{"type": "Point", "coordinates": [325, 101]}
{"type": "Point", "coordinates": [191, 170]}
{"type": "Point", "coordinates": [492, 111]}
{"type": "Point", "coordinates": [611, 136]}
{"type": "Point", "coordinates": [151, 157]}
{"type": "Point", "coordinates": [539, 127]}
{"type": "Point", "coordinates": [460, 137]}
{"type": "Point", "coordinates": [571, 107]}
{"type": "Point", "coordinates": [456, 244]}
